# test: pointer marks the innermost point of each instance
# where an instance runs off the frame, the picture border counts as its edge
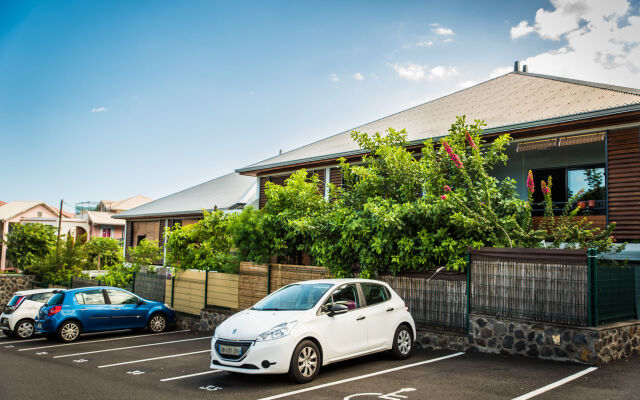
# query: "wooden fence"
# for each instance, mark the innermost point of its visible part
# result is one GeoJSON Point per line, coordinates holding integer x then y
{"type": "Point", "coordinates": [546, 285]}
{"type": "Point", "coordinates": [438, 302]}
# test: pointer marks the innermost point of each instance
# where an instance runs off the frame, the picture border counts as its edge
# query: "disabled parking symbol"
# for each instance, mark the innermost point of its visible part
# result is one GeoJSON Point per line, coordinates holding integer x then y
{"type": "Point", "coordinates": [210, 388]}
{"type": "Point", "coordinates": [389, 396]}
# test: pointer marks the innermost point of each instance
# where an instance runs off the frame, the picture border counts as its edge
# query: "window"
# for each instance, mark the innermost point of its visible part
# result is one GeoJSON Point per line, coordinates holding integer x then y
{"type": "Point", "coordinates": [41, 297]}
{"type": "Point", "coordinates": [106, 232]}
{"type": "Point", "coordinates": [293, 297]}
{"type": "Point", "coordinates": [346, 295]}
{"type": "Point", "coordinates": [566, 182]}
{"type": "Point", "coordinates": [39, 214]}
{"type": "Point", "coordinates": [120, 297]}
{"type": "Point", "coordinates": [374, 294]}
{"type": "Point", "coordinates": [56, 299]}
{"type": "Point", "coordinates": [90, 297]}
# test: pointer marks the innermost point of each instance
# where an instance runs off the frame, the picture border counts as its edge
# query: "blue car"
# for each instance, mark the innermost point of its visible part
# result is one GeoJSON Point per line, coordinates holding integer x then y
{"type": "Point", "coordinates": [94, 309]}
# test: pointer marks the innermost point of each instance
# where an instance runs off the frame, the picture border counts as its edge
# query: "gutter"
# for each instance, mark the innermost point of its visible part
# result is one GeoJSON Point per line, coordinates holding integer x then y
{"type": "Point", "coordinates": [500, 129]}
{"type": "Point", "coordinates": [170, 214]}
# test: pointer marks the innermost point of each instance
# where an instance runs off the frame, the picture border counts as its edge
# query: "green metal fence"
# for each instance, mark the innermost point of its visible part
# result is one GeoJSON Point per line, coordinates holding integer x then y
{"type": "Point", "coordinates": [615, 291]}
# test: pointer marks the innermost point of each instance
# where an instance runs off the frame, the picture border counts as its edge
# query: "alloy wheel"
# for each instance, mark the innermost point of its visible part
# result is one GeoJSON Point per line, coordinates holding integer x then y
{"type": "Point", "coordinates": [307, 361]}
{"type": "Point", "coordinates": [157, 323]}
{"type": "Point", "coordinates": [25, 330]}
{"type": "Point", "coordinates": [404, 341]}
{"type": "Point", "coordinates": [70, 332]}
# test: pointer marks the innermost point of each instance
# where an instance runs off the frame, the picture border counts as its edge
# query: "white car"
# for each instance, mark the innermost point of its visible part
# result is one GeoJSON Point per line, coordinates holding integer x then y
{"type": "Point", "coordinates": [306, 325]}
{"type": "Point", "coordinates": [18, 318]}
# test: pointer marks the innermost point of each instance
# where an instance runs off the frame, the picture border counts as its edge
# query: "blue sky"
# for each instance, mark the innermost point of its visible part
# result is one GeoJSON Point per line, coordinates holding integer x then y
{"type": "Point", "coordinates": [106, 100]}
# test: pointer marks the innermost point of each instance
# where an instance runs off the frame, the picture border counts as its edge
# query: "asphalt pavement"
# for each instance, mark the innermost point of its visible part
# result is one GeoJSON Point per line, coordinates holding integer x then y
{"type": "Point", "coordinates": [175, 365]}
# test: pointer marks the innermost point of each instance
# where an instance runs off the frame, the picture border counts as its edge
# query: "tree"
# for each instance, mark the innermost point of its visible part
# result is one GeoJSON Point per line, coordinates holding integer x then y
{"type": "Point", "coordinates": [102, 251]}
{"type": "Point", "coordinates": [29, 244]}
{"type": "Point", "coordinates": [147, 252]}
{"type": "Point", "coordinates": [205, 245]}
{"type": "Point", "coordinates": [65, 262]}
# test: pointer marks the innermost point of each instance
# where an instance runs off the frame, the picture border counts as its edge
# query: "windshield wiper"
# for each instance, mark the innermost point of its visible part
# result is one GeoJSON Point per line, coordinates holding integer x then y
{"type": "Point", "coordinates": [270, 309]}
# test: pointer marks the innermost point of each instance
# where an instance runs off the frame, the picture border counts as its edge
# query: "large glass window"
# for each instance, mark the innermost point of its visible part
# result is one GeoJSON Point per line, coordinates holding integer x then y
{"type": "Point", "coordinates": [41, 297]}
{"type": "Point", "coordinates": [569, 181]}
{"type": "Point", "coordinates": [91, 297]}
{"type": "Point", "coordinates": [346, 295]}
{"type": "Point", "coordinates": [373, 293]}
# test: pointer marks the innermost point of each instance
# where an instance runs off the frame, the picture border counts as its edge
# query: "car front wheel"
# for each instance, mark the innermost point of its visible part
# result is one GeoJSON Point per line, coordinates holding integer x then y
{"type": "Point", "coordinates": [68, 331]}
{"type": "Point", "coordinates": [24, 329]}
{"type": "Point", "coordinates": [305, 362]}
{"type": "Point", "coordinates": [402, 343]}
{"type": "Point", "coordinates": [157, 323]}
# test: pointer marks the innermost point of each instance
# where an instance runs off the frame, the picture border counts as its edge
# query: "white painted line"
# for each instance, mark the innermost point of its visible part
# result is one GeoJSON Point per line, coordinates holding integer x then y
{"type": "Point", "coordinates": [355, 378]}
{"type": "Point", "coordinates": [131, 347]}
{"type": "Point", "coordinates": [555, 384]}
{"type": "Point", "coordinates": [102, 340]}
{"type": "Point", "coordinates": [23, 341]}
{"type": "Point", "coordinates": [175, 378]}
{"type": "Point", "coordinates": [154, 358]}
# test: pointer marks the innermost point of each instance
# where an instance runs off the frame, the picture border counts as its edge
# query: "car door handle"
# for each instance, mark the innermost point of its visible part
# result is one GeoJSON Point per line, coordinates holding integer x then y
{"type": "Point", "coordinates": [82, 309]}
{"type": "Point", "coordinates": [360, 318]}
{"type": "Point", "coordinates": [116, 309]}
{"type": "Point", "coordinates": [389, 309]}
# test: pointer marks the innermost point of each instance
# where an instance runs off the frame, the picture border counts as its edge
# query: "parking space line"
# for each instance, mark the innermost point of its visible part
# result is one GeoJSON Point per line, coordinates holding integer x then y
{"type": "Point", "coordinates": [23, 341]}
{"type": "Point", "coordinates": [154, 358]}
{"type": "Point", "coordinates": [355, 378]}
{"type": "Point", "coordinates": [102, 340]}
{"type": "Point", "coordinates": [555, 384]}
{"type": "Point", "coordinates": [190, 375]}
{"type": "Point", "coordinates": [130, 347]}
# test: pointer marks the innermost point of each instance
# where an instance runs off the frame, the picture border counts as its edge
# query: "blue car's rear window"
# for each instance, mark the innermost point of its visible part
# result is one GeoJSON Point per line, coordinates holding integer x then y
{"type": "Point", "coordinates": [56, 300]}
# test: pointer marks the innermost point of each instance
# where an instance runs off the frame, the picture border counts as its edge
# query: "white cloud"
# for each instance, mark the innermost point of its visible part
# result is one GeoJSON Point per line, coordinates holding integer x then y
{"type": "Point", "coordinates": [520, 30]}
{"type": "Point", "coordinates": [449, 40]}
{"type": "Point", "coordinates": [358, 76]}
{"type": "Point", "coordinates": [427, 43]}
{"type": "Point", "coordinates": [442, 31]}
{"type": "Point", "coordinates": [434, 24]}
{"type": "Point", "coordinates": [99, 109]}
{"type": "Point", "coordinates": [599, 41]}
{"type": "Point", "coordinates": [416, 72]}
{"type": "Point", "coordinates": [334, 78]}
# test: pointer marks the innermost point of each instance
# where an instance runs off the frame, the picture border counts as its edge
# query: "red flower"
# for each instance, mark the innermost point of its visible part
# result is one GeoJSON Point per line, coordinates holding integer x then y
{"type": "Point", "coordinates": [443, 197]}
{"type": "Point", "coordinates": [545, 189]}
{"type": "Point", "coordinates": [612, 238]}
{"type": "Point", "coordinates": [453, 156]}
{"type": "Point", "coordinates": [530, 185]}
{"type": "Point", "coordinates": [470, 140]}
{"type": "Point", "coordinates": [447, 188]}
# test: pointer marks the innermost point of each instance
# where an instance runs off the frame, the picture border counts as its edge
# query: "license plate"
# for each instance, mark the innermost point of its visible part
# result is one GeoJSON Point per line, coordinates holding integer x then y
{"type": "Point", "coordinates": [39, 325]}
{"type": "Point", "coordinates": [230, 350]}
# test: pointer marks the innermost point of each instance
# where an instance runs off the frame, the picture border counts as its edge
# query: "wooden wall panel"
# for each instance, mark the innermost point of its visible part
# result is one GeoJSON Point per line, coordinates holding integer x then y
{"type": "Point", "coordinates": [623, 182]}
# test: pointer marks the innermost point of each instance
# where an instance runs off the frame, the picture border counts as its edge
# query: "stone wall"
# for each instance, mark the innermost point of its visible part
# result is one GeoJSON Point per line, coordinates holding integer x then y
{"type": "Point", "coordinates": [438, 340]}
{"type": "Point", "coordinates": [209, 319]}
{"type": "Point", "coordinates": [10, 283]}
{"type": "Point", "coordinates": [554, 342]}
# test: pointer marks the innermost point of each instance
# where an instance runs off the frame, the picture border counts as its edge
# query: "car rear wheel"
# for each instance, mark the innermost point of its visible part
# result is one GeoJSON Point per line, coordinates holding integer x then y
{"type": "Point", "coordinates": [24, 329]}
{"type": "Point", "coordinates": [402, 343]}
{"type": "Point", "coordinates": [157, 323]}
{"type": "Point", "coordinates": [68, 332]}
{"type": "Point", "coordinates": [305, 362]}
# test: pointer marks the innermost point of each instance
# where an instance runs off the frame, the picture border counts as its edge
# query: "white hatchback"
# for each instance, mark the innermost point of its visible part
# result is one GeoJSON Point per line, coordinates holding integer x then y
{"type": "Point", "coordinates": [18, 317]}
{"type": "Point", "coordinates": [306, 325]}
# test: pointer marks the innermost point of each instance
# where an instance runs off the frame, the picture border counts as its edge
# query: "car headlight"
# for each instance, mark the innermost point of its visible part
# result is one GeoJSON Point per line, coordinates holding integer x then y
{"type": "Point", "coordinates": [168, 306]}
{"type": "Point", "coordinates": [277, 332]}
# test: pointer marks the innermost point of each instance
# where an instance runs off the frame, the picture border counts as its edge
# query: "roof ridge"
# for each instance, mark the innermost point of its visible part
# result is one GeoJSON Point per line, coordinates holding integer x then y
{"type": "Point", "coordinates": [597, 85]}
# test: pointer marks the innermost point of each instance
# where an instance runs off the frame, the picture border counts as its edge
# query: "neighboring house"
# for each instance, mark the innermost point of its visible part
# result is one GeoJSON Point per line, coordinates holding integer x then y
{"type": "Point", "coordinates": [101, 224]}
{"type": "Point", "coordinates": [2, 203]}
{"type": "Point", "coordinates": [25, 212]}
{"type": "Point", "coordinates": [228, 193]}
{"type": "Point", "coordinates": [122, 205]}
{"type": "Point", "coordinates": [583, 134]}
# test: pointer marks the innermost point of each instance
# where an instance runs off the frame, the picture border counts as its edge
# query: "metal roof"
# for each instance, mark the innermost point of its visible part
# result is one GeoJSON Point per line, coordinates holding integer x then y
{"type": "Point", "coordinates": [103, 218]}
{"type": "Point", "coordinates": [225, 192]}
{"type": "Point", "coordinates": [511, 101]}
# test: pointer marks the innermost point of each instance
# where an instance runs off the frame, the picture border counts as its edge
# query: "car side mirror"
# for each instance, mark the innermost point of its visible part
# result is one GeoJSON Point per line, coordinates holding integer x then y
{"type": "Point", "coordinates": [140, 302]}
{"type": "Point", "coordinates": [337, 309]}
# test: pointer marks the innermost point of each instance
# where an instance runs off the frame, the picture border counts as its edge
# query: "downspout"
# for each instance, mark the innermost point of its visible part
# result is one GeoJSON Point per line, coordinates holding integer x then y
{"type": "Point", "coordinates": [124, 236]}
{"type": "Point", "coordinates": [164, 244]}
{"type": "Point", "coordinates": [327, 180]}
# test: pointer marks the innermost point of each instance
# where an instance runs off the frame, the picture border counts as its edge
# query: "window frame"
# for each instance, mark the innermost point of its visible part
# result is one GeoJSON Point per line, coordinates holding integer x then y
{"type": "Point", "coordinates": [108, 298]}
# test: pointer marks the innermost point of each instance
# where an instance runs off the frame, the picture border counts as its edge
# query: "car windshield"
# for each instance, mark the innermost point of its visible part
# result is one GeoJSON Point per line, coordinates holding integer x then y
{"type": "Point", "coordinates": [56, 300]}
{"type": "Point", "coordinates": [293, 297]}
{"type": "Point", "coordinates": [14, 300]}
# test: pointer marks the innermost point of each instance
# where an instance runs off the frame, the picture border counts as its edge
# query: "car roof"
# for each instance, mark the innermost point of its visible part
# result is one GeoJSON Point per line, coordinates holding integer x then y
{"type": "Point", "coordinates": [35, 291]}
{"type": "Point", "coordinates": [341, 281]}
{"type": "Point", "coordinates": [82, 289]}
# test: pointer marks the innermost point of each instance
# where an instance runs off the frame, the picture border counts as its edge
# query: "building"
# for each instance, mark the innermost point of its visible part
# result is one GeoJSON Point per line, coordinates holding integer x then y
{"type": "Point", "coordinates": [98, 215]}
{"type": "Point", "coordinates": [581, 133]}
{"type": "Point", "coordinates": [28, 212]}
{"type": "Point", "coordinates": [228, 193]}
{"type": "Point", "coordinates": [101, 224]}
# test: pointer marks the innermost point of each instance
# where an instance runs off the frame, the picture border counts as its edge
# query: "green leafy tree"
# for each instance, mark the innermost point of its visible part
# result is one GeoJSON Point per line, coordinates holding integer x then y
{"type": "Point", "coordinates": [252, 237]}
{"type": "Point", "coordinates": [66, 261]}
{"type": "Point", "coordinates": [103, 252]}
{"type": "Point", "coordinates": [205, 245]}
{"type": "Point", "coordinates": [147, 252]}
{"type": "Point", "coordinates": [29, 244]}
